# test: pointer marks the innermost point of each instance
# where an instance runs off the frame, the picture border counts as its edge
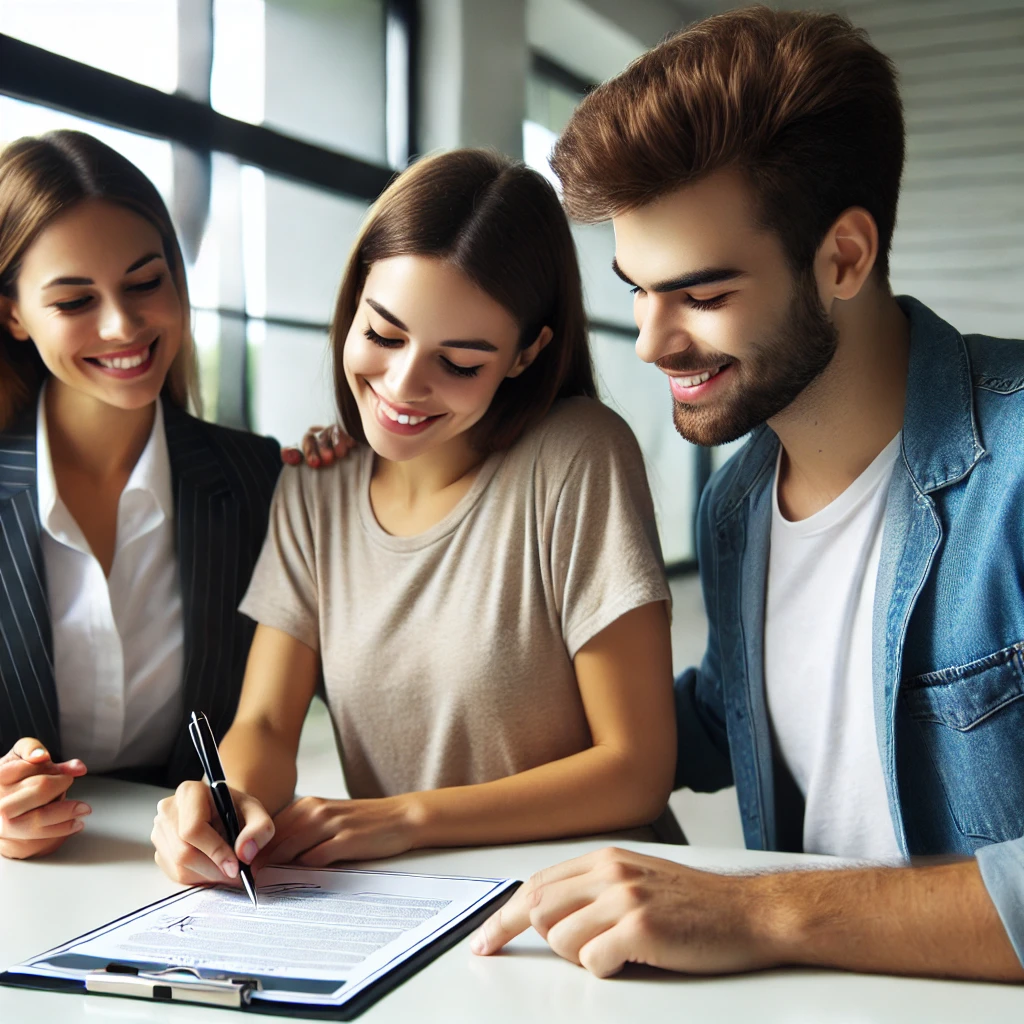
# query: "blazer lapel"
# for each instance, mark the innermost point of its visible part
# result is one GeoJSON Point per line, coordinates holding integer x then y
{"type": "Point", "coordinates": [203, 510]}
{"type": "Point", "coordinates": [27, 682]}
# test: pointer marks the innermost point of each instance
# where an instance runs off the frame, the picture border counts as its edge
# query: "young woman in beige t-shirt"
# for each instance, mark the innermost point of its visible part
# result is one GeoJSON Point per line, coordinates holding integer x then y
{"type": "Point", "coordinates": [480, 585]}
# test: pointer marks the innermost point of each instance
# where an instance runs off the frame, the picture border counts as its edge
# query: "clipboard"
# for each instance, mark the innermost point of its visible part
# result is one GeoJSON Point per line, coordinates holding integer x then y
{"type": "Point", "coordinates": [249, 991]}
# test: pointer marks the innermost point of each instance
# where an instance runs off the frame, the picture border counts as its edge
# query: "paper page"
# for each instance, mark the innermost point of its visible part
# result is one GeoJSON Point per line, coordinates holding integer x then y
{"type": "Point", "coordinates": [339, 927]}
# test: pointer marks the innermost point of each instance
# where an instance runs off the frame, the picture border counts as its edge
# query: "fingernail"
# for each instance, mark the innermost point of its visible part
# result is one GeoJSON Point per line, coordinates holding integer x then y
{"type": "Point", "coordinates": [82, 809]}
{"type": "Point", "coordinates": [230, 868]}
{"type": "Point", "coordinates": [476, 942]}
{"type": "Point", "coordinates": [77, 825]}
{"type": "Point", "coordinates": [249, 850]}
{"type": "Point", "coordinates": [38, 752]}
{"type": "Point", "coordinates": [313, 461]}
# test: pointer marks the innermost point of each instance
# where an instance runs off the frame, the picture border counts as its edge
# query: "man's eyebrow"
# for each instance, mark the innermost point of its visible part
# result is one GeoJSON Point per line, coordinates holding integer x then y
{"type": "Point", "coordinates": [140, 262]}
{"type": "Point", "coordinates": [694, 279]}
{"type": "Point", "coordinates": [474, 343]}
{"type": "Point", "coordinates": [620, 274]}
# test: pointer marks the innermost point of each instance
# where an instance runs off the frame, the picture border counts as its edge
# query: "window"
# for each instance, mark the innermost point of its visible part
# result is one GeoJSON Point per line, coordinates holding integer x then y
{"type": "Point", "coordinates": [267, 189]}
{"type": "Point", "coordinates": [138, 41]}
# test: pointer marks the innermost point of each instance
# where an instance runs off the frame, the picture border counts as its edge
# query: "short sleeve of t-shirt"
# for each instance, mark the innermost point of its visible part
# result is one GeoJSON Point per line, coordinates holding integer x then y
{"type": "Point", "coordinates": [283, 590]}
{"type": "Point", "coordinates": [604, 550]}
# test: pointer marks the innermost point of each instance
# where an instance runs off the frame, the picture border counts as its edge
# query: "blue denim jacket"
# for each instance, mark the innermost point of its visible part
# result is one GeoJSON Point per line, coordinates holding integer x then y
{"type": "Point", "coordinates": [948, 639]}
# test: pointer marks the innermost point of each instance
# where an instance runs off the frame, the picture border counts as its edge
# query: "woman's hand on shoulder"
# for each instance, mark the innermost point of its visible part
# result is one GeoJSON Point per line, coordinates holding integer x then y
{"type": "Point", "coordinates": [190, 846]}
{"type": "Point", "coordinates": [314, 832]}
{"type": "Point", "coordinates": [320, 447]}
{"type": "Point", "coordinates": [35, 817]}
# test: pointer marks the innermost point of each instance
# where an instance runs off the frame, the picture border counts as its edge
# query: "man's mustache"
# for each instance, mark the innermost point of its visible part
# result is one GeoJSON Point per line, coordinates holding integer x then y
{"type": "Point", "coordinates": [681, 362]}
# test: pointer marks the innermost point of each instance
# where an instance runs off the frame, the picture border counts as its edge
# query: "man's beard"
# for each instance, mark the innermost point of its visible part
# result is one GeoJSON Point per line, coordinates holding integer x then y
{"type": "Point", "coordinates": [781, 365]}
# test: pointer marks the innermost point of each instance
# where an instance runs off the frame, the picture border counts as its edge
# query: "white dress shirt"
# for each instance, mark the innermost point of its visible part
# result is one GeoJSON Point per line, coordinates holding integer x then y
{"type": "Point", "coordinates": [118, 642]}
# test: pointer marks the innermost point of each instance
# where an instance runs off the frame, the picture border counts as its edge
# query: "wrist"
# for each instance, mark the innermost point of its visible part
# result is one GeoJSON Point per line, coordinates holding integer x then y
{"type": "Point", "coordinates": [414, 814]}
{"type": "Point", "coordinates": [777, 925]}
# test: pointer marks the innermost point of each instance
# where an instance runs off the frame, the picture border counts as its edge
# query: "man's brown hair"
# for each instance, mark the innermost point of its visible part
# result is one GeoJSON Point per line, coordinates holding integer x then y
{"type": "Point", "coordinates": [800, 102]}
{"type": "Point", "coordinates": [502, 225]}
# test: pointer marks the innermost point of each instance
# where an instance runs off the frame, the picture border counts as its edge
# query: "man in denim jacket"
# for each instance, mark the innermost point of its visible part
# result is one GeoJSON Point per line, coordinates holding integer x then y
{"type": "Point", "coordinates": [862, 556]}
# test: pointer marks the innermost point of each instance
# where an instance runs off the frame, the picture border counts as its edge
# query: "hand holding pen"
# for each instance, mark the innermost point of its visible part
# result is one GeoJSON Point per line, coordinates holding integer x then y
{"type": "Point", "coordinates": [206, 747]}
{"type": "Point", "coordinates": [189, 848]}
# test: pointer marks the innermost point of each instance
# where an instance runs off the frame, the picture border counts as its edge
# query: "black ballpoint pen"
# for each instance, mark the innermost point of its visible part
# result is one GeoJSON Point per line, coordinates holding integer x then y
{"type": "Point", "coordinates": [206, 747]}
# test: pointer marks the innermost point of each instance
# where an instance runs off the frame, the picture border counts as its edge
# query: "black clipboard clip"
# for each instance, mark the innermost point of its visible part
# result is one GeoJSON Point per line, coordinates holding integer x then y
{"type": "Point", "coordinates": [169, 985]}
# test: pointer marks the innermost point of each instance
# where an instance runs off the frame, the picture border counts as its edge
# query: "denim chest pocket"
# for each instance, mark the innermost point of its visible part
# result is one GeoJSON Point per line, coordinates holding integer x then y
{"type": "Point", "coordinates": [971, 720]}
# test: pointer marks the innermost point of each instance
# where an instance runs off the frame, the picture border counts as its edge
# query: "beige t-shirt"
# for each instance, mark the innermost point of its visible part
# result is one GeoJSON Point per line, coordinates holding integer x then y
{"type": "Point", "coordinates": [447, 656]}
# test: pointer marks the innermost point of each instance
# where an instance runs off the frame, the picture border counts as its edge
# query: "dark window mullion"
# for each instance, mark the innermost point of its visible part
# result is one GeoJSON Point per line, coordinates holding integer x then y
{"type": "Point", "coordinates": [39, 76]}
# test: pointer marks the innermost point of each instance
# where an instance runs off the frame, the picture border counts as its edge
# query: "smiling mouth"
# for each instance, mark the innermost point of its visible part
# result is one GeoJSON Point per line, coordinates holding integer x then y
{"type": "Point", "coordinates": [695, 379]}
{"type": "Point", "coordinates": [403, 419]}
{"type": "Point", "coordinates": [131, 362]}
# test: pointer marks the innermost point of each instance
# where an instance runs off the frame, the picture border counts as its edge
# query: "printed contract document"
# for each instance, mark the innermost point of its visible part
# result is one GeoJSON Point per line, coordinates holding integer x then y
{"type": "Point", "coordinates": [321, 937]}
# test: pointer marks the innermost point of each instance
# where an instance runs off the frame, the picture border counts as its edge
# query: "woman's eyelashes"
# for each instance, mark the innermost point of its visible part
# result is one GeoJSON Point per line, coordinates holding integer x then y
{"type": "Point", "coordinates": [379, 339]}
{"type": "Point", "coordinates": [459, 371]}
{"type": "Point", "coordinates": [147, 286]}
{"type": "Point", "coordinates": [142, 287]}
{"type": "Point", "coordinates": [453, 368]}
{"type": "Point", "coordinates": [70, 305]}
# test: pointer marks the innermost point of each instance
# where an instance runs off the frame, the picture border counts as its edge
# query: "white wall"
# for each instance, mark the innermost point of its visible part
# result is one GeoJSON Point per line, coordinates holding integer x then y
{"type": "Point", "coordinates": [323, 65]}
{"type": "Point", "coordinates": [472, 76]}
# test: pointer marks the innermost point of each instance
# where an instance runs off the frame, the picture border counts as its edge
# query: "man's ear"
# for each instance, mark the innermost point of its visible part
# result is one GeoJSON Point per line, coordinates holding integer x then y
{"type": "Point", "coordinates": [528, 354]}
{"type": "Point", "coordinates": [9, 318]}
{"type": "Point", "coordinates": [847, 255]}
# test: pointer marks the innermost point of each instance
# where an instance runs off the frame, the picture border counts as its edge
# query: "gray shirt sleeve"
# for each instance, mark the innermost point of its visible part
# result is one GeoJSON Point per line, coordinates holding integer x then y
{"type": "Point", "coordinates": [605, 555]}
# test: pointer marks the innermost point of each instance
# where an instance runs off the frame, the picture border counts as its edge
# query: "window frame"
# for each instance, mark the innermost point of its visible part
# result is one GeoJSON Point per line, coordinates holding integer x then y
{"type": "Point", "coordinates": [35, 75]}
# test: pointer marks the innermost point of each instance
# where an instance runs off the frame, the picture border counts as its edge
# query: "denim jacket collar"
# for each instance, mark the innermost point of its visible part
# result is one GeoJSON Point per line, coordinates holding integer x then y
{"type": "Point", "coordinates": [940, 433]}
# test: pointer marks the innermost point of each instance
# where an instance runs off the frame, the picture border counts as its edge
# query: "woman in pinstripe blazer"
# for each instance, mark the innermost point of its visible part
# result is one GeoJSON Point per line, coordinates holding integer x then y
{"type": "Point", "coordinates": [96, 372]}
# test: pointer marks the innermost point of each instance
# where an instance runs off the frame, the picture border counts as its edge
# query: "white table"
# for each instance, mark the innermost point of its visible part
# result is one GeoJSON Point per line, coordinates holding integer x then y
{"type": "Point", "coordinates": [108, 871]}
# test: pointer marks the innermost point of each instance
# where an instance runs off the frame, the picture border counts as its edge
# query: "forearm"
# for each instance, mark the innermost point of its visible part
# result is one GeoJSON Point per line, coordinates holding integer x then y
{"type": "Point", "coordinates": [261, 762]}
{"type": "Point", "coordinates": [259, 749]}
{"type": "Point", "coordinates": [596, 790]}
{"type": "Point", "coordinates": [931, 921]}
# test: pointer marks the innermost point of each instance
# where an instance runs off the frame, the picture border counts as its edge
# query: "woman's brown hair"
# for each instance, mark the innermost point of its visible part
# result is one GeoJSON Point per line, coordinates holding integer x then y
{"type": "Point", "coordinates": [501, 225]}
{"type": "Point", "coordinates": [41, 178]}
{"type": "Point", "coordinates": [798, 101]}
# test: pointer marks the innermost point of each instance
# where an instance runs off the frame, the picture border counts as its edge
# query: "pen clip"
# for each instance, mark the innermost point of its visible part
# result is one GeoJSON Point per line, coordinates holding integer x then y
{"type": "Point", "coordinates": [199, 740]}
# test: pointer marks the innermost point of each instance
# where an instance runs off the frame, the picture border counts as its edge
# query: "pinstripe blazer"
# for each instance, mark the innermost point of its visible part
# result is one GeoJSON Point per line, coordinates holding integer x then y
{"type": "Point", "coordinates": [222, 481]}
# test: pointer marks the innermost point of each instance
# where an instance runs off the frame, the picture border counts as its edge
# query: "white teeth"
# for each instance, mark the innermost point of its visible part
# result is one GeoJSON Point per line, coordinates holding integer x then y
{"type": "Point", "coordinates": [125, 362]}
{"type": "Point", "coordinates": [692, 382]}
{"type": "Point", "coordinates": [404, 418]}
